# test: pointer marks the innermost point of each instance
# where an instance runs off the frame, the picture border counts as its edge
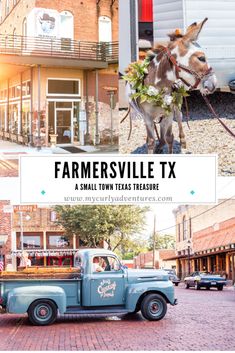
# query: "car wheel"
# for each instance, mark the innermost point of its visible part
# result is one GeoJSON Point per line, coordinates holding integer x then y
{"type": "Point", "coordinates": [176, 284]}
{"type": "Point", "coordinates": [220, 287]}
{"type": "Point", "coordinates": [196, 286]}
{"type": "Point", "coordinates": [153, 307]}
{"type": "Point", "coordinates": [186, 285]}
{"type": "Point", "coordinates": [42, 312]}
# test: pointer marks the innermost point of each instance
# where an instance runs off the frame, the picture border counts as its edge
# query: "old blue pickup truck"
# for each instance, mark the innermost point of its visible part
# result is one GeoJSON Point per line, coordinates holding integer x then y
{"type": "Point", "coordinates": [100, 286]}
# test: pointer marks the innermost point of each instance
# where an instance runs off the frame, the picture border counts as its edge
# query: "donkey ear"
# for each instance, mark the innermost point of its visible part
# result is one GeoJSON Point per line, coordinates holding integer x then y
{"type": "Point", "coordinates": [193, 31]}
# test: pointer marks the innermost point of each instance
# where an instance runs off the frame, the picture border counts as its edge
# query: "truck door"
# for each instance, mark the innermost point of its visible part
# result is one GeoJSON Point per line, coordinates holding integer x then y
{"type": "Point", "coordinates": [107, 281]}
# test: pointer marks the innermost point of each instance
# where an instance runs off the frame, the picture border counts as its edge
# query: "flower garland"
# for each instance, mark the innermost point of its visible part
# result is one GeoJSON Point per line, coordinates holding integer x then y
{"type": "Point", "coordinates": [150, 94]}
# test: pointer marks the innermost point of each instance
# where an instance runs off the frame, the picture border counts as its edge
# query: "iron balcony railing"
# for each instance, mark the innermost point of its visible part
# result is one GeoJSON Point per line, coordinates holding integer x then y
{"type": "Point", "coordinates": [58, 48]}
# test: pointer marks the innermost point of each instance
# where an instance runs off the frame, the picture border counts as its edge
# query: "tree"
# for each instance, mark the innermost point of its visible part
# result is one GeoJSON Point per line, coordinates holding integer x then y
{"type": "Point", "coordinates": [95, 223]}
{"type": "Point", "coordinates": [133, 247]}
{"type": "Point", "coordinates": [165, 241]}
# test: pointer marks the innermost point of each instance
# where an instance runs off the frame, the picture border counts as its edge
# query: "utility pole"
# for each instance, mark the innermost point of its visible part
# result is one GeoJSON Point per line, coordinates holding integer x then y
{"type": "Point", "coordinates": [154, 240]}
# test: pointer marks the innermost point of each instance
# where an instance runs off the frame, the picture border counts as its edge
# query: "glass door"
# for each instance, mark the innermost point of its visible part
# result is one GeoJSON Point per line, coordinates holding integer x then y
{"type": "Point", "coordinates": [64, 126]}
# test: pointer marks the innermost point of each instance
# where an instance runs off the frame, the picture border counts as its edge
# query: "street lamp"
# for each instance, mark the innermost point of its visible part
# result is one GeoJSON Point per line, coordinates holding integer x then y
{"type": "Point", "coordinates": [189, 245]}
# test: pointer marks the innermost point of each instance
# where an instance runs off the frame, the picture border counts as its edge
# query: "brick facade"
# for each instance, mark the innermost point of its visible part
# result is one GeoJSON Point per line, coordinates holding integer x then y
{"type": "Point", "coordinates": [86, 14]}
{"type": "Point", "coordinates": [205, 238]}
{"type": "Point", "coordinates": [40, 220]}
{"type": "Point", "coordinates": [5, 230]}
{"type": "Point", "coordinates": [86, 21]}
{"type": "Point", "coordinates": [162, 259]}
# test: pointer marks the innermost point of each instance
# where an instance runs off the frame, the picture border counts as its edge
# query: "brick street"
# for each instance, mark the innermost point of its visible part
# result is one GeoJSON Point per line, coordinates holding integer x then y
{"type": "Point", "coordinates": [9, 168]}
{"type": "Point", "coordinates": [203, 320]}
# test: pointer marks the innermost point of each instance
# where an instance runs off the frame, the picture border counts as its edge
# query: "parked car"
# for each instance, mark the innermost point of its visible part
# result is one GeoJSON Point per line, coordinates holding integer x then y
{"type": "Point", "coordinates": [203, 279]}
{"type": "Point", "coordinates": [172, 276]}
{"type": "Point", "coordinates": [100, 286]}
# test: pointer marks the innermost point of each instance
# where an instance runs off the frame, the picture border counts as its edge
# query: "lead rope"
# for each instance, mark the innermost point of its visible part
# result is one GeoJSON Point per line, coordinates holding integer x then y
{"type": "Point", "coordinates": [217, 117]}
{"type": "Point", "coordinates": [186, 111]}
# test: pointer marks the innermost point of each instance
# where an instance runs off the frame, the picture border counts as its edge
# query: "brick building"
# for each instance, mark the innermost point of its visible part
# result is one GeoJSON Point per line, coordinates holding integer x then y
{"type": "Point", "coordinates": [5, 232]}
{"type": "Point", "coordinates": [58, 66]}
{"type": "Point", "coordinates": [36, 231]}
{"type": "Point", "coordinates": [162, 259]}
{"type": "Point", "coordinates": [205, 238]}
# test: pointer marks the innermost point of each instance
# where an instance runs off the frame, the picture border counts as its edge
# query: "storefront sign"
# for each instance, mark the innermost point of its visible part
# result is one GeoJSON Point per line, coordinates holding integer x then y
{"type": "Point", "coordinates": [44, 23]}
{"type": "Point", "coordinates": [27, 208]}
{"type": "Point", "coordinates": [119, 179]}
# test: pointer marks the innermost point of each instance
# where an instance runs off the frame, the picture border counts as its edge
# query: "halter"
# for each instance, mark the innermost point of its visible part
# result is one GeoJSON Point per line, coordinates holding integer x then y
{"type": "Point", "coordinates": [178, 67]}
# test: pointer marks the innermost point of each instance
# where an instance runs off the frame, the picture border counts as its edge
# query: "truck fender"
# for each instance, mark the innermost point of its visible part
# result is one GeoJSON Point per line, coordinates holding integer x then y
{"type": "Point", "coordinates": [19, 299]}
{"type": "Point", "coordinates": [136, 291]}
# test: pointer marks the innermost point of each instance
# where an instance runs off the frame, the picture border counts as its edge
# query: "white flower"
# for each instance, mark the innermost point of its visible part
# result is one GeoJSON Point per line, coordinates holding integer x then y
{"type": "Point", "coordinates": [152, 91]}
{"type": "Point", "coordinates": [178, 83]}
{"type": "Point", "coordinates": [167, 99]}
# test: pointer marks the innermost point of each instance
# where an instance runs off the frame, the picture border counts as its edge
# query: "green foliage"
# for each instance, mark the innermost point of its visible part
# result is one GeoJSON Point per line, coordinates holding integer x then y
{"type": "Point", "coordinates": [93, 223]}
{"type": "Point", "coordinates": [150, 94]}
{"type": "Point", "coordinates": [165, 241]}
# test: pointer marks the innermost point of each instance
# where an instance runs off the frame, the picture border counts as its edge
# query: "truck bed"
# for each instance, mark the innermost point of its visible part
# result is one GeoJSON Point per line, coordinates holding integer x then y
{"type": "Point", "coordinates": [42, 273]}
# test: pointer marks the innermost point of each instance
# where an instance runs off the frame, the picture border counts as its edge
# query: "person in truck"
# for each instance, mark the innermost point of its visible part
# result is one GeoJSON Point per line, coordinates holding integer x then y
{"type": "Point", "coordinates": [96, 265]}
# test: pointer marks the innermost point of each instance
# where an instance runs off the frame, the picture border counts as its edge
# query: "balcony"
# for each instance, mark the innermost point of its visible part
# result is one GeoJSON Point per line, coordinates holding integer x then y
{"type": "Point", "coordinates": [23, 50]}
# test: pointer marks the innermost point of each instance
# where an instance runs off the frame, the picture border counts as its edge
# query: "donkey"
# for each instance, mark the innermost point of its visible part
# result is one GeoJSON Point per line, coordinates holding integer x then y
{"type": "Point", "coordinates": [182, 59]}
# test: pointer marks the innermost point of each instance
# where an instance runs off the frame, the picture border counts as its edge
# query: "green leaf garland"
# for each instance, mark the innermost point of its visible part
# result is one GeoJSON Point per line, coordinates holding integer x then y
{"type": "Point", "coordinates": [150, 94]}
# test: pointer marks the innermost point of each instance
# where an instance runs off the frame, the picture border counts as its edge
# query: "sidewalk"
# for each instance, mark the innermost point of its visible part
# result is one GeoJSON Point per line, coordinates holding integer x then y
{"type": "Point", "coordinates": [10, 150]}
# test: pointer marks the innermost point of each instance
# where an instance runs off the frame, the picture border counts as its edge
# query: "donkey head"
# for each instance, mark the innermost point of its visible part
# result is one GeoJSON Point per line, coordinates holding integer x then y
{"type": "Point", "coordinates": [189, 55]}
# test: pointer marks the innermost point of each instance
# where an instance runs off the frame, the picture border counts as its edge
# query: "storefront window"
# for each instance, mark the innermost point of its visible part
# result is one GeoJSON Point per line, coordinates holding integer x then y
{"type": "Point", "coordinates": [2, 117]}
{"type": "Point", "coordinates": [59, 241]}
{"type": "Point", "coordinates": [184, 228]}
{"type": "Point", "coordinates": [51, 113]}
{"type": "Point", "coordinates": [14, 118]}
{"type": "Point", "coordinates": [37, 261]}
{"type": "Point", "coordinates": [65, 261]}
{"type": "Point", "coordinates": [3, 95]}
{"type": "Point", "coordinates": [26, 88]}
{"type": "Point", "coordinates": [25, 118]}
{"type": "Point", "coordinates": [14, 92]}
{"type": "Point", "coordinates": [32, 241]}
{"type": "Point", "coordinates": [76, 121]}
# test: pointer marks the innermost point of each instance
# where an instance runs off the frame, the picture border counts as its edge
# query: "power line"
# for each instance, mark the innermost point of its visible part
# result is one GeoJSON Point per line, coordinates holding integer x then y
{"type": "Point", "coordinates": [198, 215]}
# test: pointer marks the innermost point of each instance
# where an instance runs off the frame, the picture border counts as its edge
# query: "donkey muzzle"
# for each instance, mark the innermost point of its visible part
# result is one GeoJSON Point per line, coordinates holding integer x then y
{"type": "Point", "coordinates": [209, 84]}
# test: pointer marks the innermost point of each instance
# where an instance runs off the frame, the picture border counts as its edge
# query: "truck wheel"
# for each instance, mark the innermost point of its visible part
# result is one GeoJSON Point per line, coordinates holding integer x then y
{"type": "Point", "coordinates": [42, 312]}
{"type": "Point", "coordinates": [220, 287]}
{"type": "Point", "coordinates": [153, 307]}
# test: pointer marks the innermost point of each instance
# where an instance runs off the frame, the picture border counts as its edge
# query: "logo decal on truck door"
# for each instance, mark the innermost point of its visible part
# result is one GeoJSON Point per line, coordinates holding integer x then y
{"type": "Point", "coordinates": [106, 288]}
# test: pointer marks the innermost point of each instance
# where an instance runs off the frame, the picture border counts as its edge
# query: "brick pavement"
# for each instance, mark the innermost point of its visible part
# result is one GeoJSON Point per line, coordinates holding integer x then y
{"type": "Point", "coordinates": [8, 168]}
{"type": "Point", "coordinates": [203, 320]}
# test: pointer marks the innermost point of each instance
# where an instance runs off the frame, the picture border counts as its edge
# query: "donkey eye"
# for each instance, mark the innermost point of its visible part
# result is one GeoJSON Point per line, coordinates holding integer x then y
{"type": "Point", "coordinates": [202, 59]}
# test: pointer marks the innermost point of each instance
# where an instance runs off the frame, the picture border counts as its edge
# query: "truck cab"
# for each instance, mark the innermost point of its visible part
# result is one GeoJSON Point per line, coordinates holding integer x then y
{"type": "Point", "coordinates": [99, 284]}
